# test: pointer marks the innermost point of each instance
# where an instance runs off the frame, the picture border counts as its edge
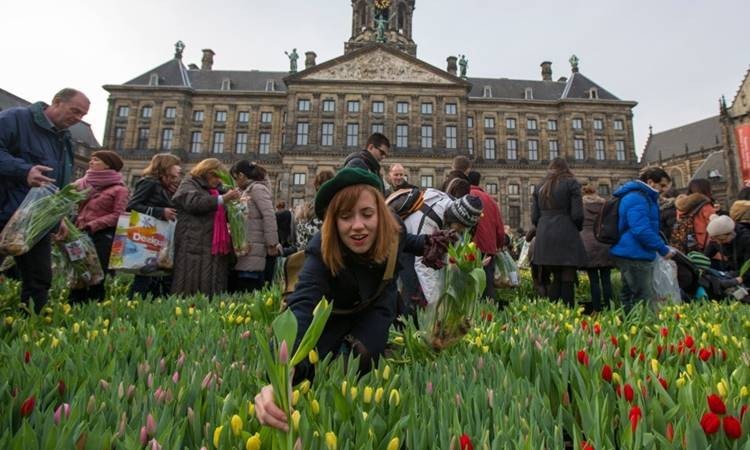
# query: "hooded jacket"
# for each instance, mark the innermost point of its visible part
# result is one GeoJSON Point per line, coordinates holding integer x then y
{"type": "Point", "coordinates": [638, 223]}
{"type": "Point", "coordinates": [687, 204]}
{"type": "Point", "coordinates": [27, 139]}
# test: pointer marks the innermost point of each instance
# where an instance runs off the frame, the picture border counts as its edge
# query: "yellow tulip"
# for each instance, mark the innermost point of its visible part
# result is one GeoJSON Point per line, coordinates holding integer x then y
{"type": "Point", "coordinates": [722, 388]}
{"type": "Point", "coordinates": [744, 391]}
{"type": "Point", "coordinates": [236, 424]}
{"type": "Point", "coordinates": [304, 387]}
{"type": "Point", "coordinates": [367, 396]}
{"type": "Point", "coordinates": [386, 372]}
{"type": "Point", "coordinates": [313, 357]}
{"type": "Point", "coordinates": [66, 308]}
{"type": "Point", "coordinates": [253, 442]}
{"type": "Point", "coordinates": [394, 398]}
{"type": "Point", "coordinates": [364, 415]}
{"type": "Point", "coordinates": [9, 321]}
{"type": "Point", "coordinates": [55, 342]}
{"type": "Point", "coordinates": [295, 397]}
{"type": "Point", "coordinates": [94, 334]}
{"type": "Point", "coordinates": [191, 311]}
{"type": "Point", "coordinates": [485, 348]}
{"type": "Point", "coordinates": [680, 382]}
{"type": "Point", "coordinates": [47, 320]}
{"type": "Point", "coordinates": [178, 311]}
{"type": "Point", "coordinates": [269, 302]}
{"type": "Point", "coordinates": [393, 444]}
{"type": "Point", "coordinates": [331, 440]}
{"type": "Point", "coordinates": [295, 419]}
{"type": "Point", "coordinates": [239, 319]}
{"type": "Point", "coordinates": [217, 435]}
{"type": "Point", "coordinates": [568, 326]}
{"type": "Point", "coordinates": [343, 388]}
{"type": "Point", "coordinates": [633, 330]}
{"type": "Point", "coordinates": [689, 368]}
{"type": "Point", "coordinates": [398, 340]}
{"type": "Point", "coordinates": [250, 409]}
{"type": "Point", "coordinates": [353, 392]}
{"type": "Point", "coordinates": [315, 406]}
{"type": "Point", "coordinates": [616, 378]}
{"type": "Point", "coordinates": [106, 323]}
{"type": "Point", "coordinates": [76, 328]}
{"type": "Point", "coordinates": [379, 395]}
{"type": "Point", "coordinates": [655, 366]}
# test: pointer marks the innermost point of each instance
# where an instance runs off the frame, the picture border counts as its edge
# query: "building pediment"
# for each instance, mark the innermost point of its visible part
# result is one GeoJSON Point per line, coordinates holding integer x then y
{"type": "Point", "coordinates": [378, 64]}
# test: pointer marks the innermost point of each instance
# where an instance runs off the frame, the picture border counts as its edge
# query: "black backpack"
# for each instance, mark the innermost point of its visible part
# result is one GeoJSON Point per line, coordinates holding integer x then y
{"type": "Point", "coordinates": [607, 223]}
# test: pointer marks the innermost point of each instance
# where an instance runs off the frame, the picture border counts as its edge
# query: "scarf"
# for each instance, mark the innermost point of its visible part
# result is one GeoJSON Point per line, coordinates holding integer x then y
{"type": "Point", "coordinates": [221, 244]}
{"type": "Point", "coordinates": [98, 180]}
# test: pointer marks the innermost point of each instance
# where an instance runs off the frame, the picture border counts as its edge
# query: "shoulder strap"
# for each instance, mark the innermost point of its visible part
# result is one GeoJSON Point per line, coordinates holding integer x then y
{"type": "Point", "coordinates": [390, 268]}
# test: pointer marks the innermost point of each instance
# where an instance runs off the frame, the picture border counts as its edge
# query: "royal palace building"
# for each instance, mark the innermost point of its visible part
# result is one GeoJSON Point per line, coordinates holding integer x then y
{"type": "Point", "coordinates": [298, 122]}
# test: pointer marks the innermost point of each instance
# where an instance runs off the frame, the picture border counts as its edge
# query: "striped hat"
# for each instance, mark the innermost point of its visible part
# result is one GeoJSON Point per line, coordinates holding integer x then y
{"type": "Point", "coordinates": [700, 260]}
{"type": "Point", "coordinates": [465, 210]}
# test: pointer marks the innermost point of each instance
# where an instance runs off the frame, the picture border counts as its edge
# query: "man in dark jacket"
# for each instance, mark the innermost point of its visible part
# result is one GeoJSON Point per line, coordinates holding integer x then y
{"type": "Point", "coordinates": [36, 149]}
{"type": "Point", "coordinates": [459, 169]}
{"type": "Point", "coordinates": [377, 148]}
{"type": "Point", "coordinates": [636, 251]}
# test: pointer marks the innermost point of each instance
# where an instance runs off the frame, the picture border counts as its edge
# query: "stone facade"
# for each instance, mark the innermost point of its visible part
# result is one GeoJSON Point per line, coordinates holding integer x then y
{"type": "Point", "coordinates": [297, 124]}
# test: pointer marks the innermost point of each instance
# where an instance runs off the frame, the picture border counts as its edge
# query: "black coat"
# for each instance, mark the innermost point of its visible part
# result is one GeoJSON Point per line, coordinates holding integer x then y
{"type": "Point", "coordinates": [150, 198]}
{"type": "Point", "coordinates": [558, 222]}
{"type": "Point", "coordinates": [284, 227]}
{"type": "Point", "coordinates": [363, 160]}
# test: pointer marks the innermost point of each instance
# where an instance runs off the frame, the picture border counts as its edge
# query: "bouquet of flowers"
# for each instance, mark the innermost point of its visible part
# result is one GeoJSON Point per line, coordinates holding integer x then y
{"type": "Point", "coordinates": [236, 214]}
{"type": "Point", "coordinates": [464, 283]}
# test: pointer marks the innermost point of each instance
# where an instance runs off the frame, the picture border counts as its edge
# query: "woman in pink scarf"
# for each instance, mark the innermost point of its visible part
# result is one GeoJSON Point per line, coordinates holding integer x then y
{"type": "Point", "coordinates": [203, 247]}
{"type": "Point", "coordinates": [98, 214]}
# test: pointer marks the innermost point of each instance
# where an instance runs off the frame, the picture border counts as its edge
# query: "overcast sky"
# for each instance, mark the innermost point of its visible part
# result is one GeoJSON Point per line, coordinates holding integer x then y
{"type": "Point", "coordinates": [674, 57]}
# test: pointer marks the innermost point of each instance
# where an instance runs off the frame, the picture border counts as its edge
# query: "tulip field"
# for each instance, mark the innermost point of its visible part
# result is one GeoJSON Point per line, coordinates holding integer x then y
{"type": "Point", "coordinates": [182, 373]}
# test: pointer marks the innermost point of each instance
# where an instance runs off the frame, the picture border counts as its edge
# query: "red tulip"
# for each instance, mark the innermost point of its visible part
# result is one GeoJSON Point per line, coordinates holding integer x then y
{"type": "Point", "coordinates": [628, 391]}
{"type": "Point", "coordinates": [452, 260]}
{"type": "Point", "coordinates": [597, 328]}
{"type": "Point", "coordinates": [635, 415]}
{"type": "Point", "coordinates": [716, 404]}
{"type": "Point", "coordinates": [61, 387]}
{"type": "Point", "coordinates": [710, 423]}
{"type": "Point", "coordinates": [607, 373]}
{"type": "Point", "coordinates": [586, 446]}
{"type": "Point", "coordinates": [28, 406]}
{"type": "Point", "coordinates": [465, 442]}
{"type": "Point", "coordinates": [614, 341]}
{"type": "Point", "coordinates": [689, 341]}
{"type": "Point", "coordinates": [743, 410]}
{"type": "Point", "coordinates": [670, 432]}
{"type": "Point", "coordinates": [583, 358]}
{"type": "Point", "coordinates": [663, 383]}
{"type": "Point", "coordinates": [704, 354]}
{"type": "Point", "coordinates": [471, 257]}
{"type": "Point", "coordinates": [732, 427]}
{"type": "Point", "coordinates": [26, 356]}
{"type": "Point", "coordinates": [584, 324]}
{"type": "Point", "coordinates": [633, 352]}
{"type": "Point", "coordinates": [664, 331]}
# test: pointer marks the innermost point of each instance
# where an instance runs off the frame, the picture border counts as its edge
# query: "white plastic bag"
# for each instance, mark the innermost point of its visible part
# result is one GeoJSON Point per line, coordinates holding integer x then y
{"type": "Point", "coordinates": [524, 259]}
{"type": "Point", "coordinates": [506, 271]}
{"type": "Point", "coordinates": [143, 245]}
{"type": "Point", "coordinates": [665, 283]}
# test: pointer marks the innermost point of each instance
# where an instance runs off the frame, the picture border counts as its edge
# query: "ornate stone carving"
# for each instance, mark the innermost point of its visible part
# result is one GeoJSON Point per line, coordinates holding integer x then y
{"type": "Point", "coordinates": [378, 66]}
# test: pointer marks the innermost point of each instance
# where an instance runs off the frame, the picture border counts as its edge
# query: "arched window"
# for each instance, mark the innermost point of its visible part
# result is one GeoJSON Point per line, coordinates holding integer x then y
{"type": "Point", "coordinates": [677, 181]}
{"type": "Point", "coordinates": [362, 15]}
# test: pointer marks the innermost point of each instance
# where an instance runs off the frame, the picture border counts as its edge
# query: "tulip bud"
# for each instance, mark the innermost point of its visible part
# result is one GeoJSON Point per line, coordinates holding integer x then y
{"type": "Point", "coordinates": [150, 380]}
{"type": "Point", "coordinates": [429, 388]}
{"type": "Point", "coordinates": [313, 357]}
{"type": "Point", "coordinates": [386, 372]}
{"type": "Point", "coordinates": [490, 397]}
{"type": "Point", "coordinates": [304, 387]}
{"type": "Point", "coordinates": [144, 436]}
{"type": "Point", "coordinates": [253, 442]}
{"type": "Point", "coordinates": [91, 405]}
{"type": "Point", "coordinates": [331, 440]}
{"type": "Point", "coordinates": [176, 377]}
{"type": "Point", "coordinates": [154, 445]}
{"type": "Point", "coordinates": [61, 388]}
{"type": "Point", "coordinates": [379, 394]}
{"type": "Point", "coordinates": [190, 415]}
{"type": "Point", "coordinates": [120, 391]}
{"type": "Point", "coordinates": [217, 435]}
{"type": "Point", "coordinates": [104, 384]}
{"type": "Point", "coordinates": [394, 398]}
{"type": "Point", "coordinates": [181, 359]}
{"type": "Point", "coordinates": [236, 424]}
{"type": "Point", "coordinates": [315, 406]}
{"type": "Point", "coordinates": [283, 353]}
{"type": "Point", "coordinates": [295, 420]}
{"type": "Point", "coordinates": [150, 425]}
{"type": "Point", "coordinates": [62, 410]}
{"type": "Point", "coordinates": [367, 395]}
{"type": "Point", "coordinates": [393, 444]}
{"type": "Point", "coordinates": [130, 391]}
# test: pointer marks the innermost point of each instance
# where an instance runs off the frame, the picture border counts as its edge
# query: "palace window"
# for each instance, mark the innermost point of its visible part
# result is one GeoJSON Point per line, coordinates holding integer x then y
{"type": "Point", "coordinates": [531, 124]}
{"type": "Point", "coordinates": [166, 139]}
{"type": "Point", "coordinates": [198, 116]}
{"type": "Point", "coordinates": [554, 150]}
{"type": "Point", "coordinates": [426, 136]}
{"type": "Point", "coordinates": [221, 116]}
{"type": "Point", "coordinates": [402, 136]}
{"type": "Point", "coordinates": [264, 143]}
{"type": "Point", "coordinates": [146, 112]}
{"type": "Point", "coordinates": [512, 149]}
{"type": "Point", "coordinates": [599, 153]}
{"type": "Point", "coordinates": [326, 134]}
{"type": "Point", "coordinates": [426, 108]}
{"type": "Point", "coordinates": [196, 142]}
{"type": "Point", "coordinates": [620, 150]}
{"type": "Point", "coordinates": [170, 112]}
{"type": "Point", "coordinates": [218, 146]}
{"type": "Point", "coordinates": [402, 108]}
{"type": "Point", "coordinates": [329, 105]}
{"type": "Point", "coordinates": [266, 117]}
{"type": "Point", "coordinates": [450, 136]}
{"type": "Point", "coordinates": [303, 130]}
{"type": "Point", "coordinates": [352, 106]}
{"type": "Point", "coordinates": [240, 144]}
{"type": "Point", "coordinates": [303, 105]}
{"type": "Point", "coordinates": [143, 138]}
{"type": "Point", "coordinates": [426, 181]}
{"type": "Point", "coordinates": [489, 148]}
{"type": "Point", "coordinates": [533, 145]}
{"type": "Point", "coordinates": [243, 117]}
{"type": "Point", "coordinates": [352, 134]}
{"type": "Point", "coordinates": [578, 149]}
{"type": "Point", "coordinates": [451, 109]}
{"type": "Point", "coordinates": [510, 123]}
{"type": "Point", "coordinates": [378, 107]}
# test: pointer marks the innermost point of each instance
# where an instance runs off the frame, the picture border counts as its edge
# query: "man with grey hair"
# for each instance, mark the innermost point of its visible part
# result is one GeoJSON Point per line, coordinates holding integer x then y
{"type": "Point", "coordinates": [397, 179]}
{"type": "Point", "coordinates": [36, 149]}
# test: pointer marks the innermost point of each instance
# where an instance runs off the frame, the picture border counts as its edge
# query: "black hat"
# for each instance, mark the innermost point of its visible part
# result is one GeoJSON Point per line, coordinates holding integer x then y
{"type": "Point", "coordinates": [465, 210]}
{"type": "Point", "coordinates": [347, 176]}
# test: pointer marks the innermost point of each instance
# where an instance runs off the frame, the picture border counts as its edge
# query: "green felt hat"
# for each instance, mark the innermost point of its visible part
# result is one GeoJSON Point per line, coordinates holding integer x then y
{"type": "Point", "coordinates": [699, 259]}
{"type": "Point", "coordinates": [348, 176]}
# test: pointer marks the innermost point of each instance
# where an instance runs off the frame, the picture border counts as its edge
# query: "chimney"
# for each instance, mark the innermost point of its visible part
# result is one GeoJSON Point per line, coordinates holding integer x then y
{"type": "Point", "coordinates": [310, 59]}
{"type": "Point", "coordinates": [208, 59]}
{"type": "Point", "coordinates": [192, 66]}
{"type": "Point", "coordinates": [546, 71]}
{"type": "Point", "coordinates": [452, 67]}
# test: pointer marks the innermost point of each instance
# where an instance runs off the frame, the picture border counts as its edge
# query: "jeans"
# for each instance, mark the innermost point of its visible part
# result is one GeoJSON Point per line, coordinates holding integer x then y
{"type": "Point", "coordinates": [601, 286]}
{"type": "Point", "coordinates": [637, 282]}
{"type": "Point", "coordinates": [35, 268]}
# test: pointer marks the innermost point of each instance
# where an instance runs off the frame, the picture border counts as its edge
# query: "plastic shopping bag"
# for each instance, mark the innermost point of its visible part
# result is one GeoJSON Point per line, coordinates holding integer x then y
{"type": "Point", "coordinates": [506, 271]}
{"type": "Point", "coordinates": [524, 259]}
{"type": "Point", "coordinates": [79, 257]}
{"type": "Point", "coordinates": [666, 288]}
{"type": "Point", "coordinates": [143, 245]}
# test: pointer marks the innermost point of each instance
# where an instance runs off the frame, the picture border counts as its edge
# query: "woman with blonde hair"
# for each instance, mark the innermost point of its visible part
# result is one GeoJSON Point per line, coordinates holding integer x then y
{"type": "Point", "coordinates": [306, 222]}
{"type": "Point", "coordinates": [202, 243]}
{"type": "Point", "coordinates": [153, 196]}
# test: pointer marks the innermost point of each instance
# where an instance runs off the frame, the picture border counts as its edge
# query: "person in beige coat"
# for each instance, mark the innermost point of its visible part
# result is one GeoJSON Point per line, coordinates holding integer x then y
{"type": "Point", "coordinates": [260, 228]}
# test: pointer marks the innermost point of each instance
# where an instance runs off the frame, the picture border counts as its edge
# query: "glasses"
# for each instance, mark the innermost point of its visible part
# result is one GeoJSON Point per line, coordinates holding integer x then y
{"type": "Point", "coordinates": [382, 152]}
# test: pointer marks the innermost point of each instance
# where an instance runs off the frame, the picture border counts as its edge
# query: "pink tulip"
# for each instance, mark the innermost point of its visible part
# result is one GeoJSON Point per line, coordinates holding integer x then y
{"type": "Point", "coordinates": [283, 353]}
{"type": "Point", "coordinates": [131, 390]}
{"type": "Point", "coordinates": [144, 436]}
{"type": "Point", "coordinates": [429, 388]}
{"type": "Point", "coordinates": [206, 383]}
{"type": "Point", "coordinates": [159, 395]}
{"type": "Point", "coordinates": [154, 445]}
{"type": "Point", "coordinates": [150, 380]}
{"type": "Point", "coordinates": [168, 397]}
{"type": "Point", "coordinates": [61, 410]}
{"type": "Point", "coordinates": [245, 335]}
{"type": "Point", "coordinates": [104, 384]}
{"type": "Point", "coordinates": [176, 377]}
{"type": "Point", "coordinates": [181, 359]}
{"type": "Point", "coordinates": [150, 425]}
{"type": "Point", "coordinates": [162, 365]}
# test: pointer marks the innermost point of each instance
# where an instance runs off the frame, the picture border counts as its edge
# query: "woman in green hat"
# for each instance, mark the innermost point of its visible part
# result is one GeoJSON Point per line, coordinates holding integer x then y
{"type": "Point", "coordinates": [350, 262]}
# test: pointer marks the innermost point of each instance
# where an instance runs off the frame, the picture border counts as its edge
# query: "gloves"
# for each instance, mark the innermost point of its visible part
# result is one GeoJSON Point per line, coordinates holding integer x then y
{"type": "Point", "coordinates": [436, 246]}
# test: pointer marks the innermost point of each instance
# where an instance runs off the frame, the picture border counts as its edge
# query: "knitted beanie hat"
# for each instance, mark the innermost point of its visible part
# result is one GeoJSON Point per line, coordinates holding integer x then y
{"type": "Point", "coordinates": [465, 210]}
{"type": "Point", "coordinates": [699, 260]}
{"type": "Point", "coordinates": [110, 158]}
{"type": "Point", "coordinates": [719, 225]}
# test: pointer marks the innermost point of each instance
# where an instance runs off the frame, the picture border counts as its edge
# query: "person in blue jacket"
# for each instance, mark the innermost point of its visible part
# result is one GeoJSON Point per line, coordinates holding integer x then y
{"type": "Point", "coordinates": [636, 251]}
{"type": "Point", "coordinates": [346, 263]}
{"type": "Point", "coordinates": [36, 149]}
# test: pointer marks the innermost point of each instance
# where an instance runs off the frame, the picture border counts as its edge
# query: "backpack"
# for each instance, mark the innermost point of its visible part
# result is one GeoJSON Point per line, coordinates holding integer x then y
{"type": "Point", "coordinates": [607, 223]}
{"type": "Point", "coordinates": [683, 236]}
{"type": "Point", "coordinates": [406, 202]}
